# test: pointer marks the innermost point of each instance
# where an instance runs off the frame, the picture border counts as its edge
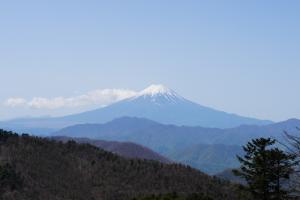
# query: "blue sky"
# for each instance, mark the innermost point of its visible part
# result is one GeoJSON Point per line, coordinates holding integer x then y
{"type": "Point", "coordinates": [237, 56]}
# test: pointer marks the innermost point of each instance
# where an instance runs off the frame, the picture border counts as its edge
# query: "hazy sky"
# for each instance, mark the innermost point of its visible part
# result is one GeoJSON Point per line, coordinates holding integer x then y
{"type": "Point", "coordinates": [56, 57]}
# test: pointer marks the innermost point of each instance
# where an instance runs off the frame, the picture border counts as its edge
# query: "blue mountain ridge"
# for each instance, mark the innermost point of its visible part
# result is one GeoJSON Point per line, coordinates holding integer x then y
{"type": "Point", "coordinates": [196, 146]}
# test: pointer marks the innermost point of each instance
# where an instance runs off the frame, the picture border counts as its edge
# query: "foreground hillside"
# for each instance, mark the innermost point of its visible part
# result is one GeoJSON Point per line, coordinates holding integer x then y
{"type": "Point", "coordinates": [125, 149]}
{"type": "Point", "coordinates": [40, 169]}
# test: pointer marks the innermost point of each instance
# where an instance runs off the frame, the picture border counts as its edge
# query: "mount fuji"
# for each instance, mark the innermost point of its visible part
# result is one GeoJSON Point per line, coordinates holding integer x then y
{"type": "Point", "coordinates": [157, 103]}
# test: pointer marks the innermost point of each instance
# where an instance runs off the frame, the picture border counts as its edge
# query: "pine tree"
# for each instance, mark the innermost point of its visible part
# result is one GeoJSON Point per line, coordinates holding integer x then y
{"type": "Point", "coordinates": [294, 149]}
{"type": "Point", "coordinates": [281, 167]}
{"type": "Point", "coordinates": [265, 169]}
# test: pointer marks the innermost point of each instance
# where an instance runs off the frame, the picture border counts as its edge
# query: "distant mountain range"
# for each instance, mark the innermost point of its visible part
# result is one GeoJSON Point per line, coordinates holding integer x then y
{"type": "Point", "coordinates": [156, 102]}
{"type": "Point", "coordinates": [125, 149]}
{"type": "Point", "coordinates": [209, 158]}
{"type": "Point", "coordinates": [197, 146]}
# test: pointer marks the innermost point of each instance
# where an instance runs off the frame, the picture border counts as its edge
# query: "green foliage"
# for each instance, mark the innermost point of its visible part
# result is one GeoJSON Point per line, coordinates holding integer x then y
{"type": "Point", "coordinates": [265, 169]}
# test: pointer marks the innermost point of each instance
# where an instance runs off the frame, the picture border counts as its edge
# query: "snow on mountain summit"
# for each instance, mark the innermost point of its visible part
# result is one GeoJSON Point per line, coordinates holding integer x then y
{"type": "Point", "coordinates": [153, 90]}
{"type": "Point", "coordinates": [158, 94]}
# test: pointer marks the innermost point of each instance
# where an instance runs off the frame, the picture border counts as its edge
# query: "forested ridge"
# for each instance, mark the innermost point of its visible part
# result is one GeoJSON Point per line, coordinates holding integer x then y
{"type": "Point", "coordinates": [37, 168]}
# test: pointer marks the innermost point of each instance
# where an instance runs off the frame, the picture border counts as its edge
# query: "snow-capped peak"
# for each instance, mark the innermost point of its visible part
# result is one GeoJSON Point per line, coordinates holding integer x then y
{"type": "Point", "coordinates": [159, 94]}
{"type": "Point", "coordinates": [153, 90]}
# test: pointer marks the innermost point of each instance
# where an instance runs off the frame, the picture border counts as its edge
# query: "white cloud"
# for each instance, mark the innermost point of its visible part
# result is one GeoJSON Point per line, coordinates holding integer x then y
{"type": "Point", "coordinates": [96, 97]}
{"type": "Point", "coordinates": [15, 102]}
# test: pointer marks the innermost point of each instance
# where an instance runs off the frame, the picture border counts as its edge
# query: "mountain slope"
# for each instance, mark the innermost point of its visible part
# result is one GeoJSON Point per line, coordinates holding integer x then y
{"type": "Point", "coordinates": [242, 134]}
{"type": "Point", "coordinates": [125, 149]}
{"type": "Point", "coordinates": [170, 140]}
{"type": "Point", "coordinates": [42, 169]}
{"type": "Point", "coordinates": [159, 137]}
{"type": "Point", "coordinates": [229, 176]}
{"type": "Point", "coordinates": [155, 135]}
{"type": "Point", "coordinates": [211, 159]}
{"type": "Point", "coordinates": [157, 103]}
{"type": "Point", "coordinates": [161, 104]}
